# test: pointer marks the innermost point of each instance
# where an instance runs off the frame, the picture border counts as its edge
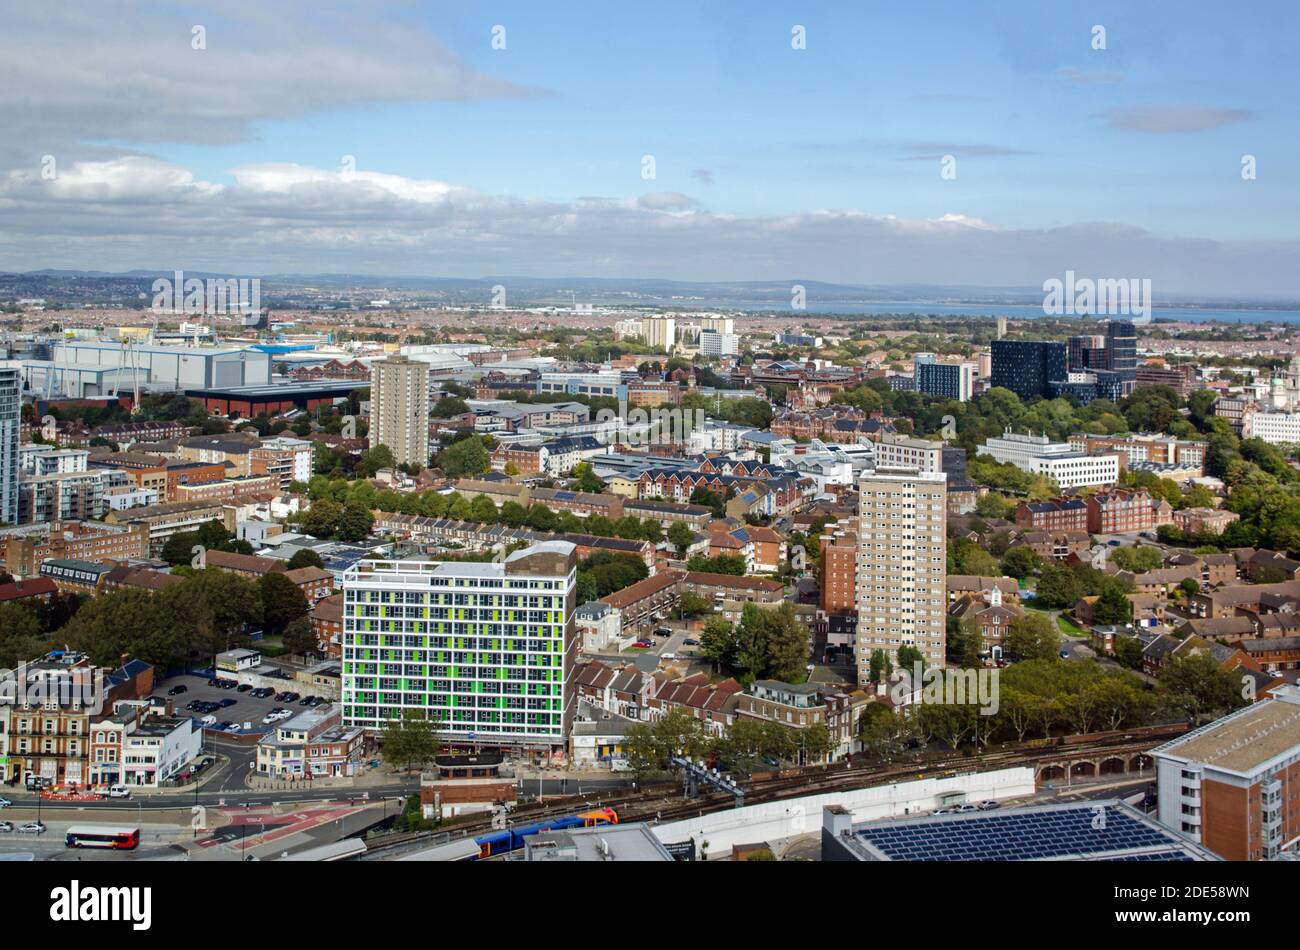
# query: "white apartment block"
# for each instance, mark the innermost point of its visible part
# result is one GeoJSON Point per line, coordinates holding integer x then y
{"type": "Point", "coordinates": [301, 451]}
{"type": "Point", "coordinates": [485, 649]}
{"type": "Point", "coordinates": [1274, 427]}
{"type": "Point", "coordinates": [900, 451]}
{"type": "Point", "coordinates": [902, 565]}
{"type": "Point", "coordinates": [1038, 455]}
{"type": "Point", "coordinates": [399, 408]}
{"type": "Point", "coordinates": [713, 343]}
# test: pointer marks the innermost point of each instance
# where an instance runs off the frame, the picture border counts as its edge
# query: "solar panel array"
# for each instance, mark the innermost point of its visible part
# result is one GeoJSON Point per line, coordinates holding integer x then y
{"type": "Point", "coordinates": [1024, 836]}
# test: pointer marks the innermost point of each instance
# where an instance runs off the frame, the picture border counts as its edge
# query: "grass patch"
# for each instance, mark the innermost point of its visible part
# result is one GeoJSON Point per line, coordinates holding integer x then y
{"type": "Point", "coordinates": [1069, 627]}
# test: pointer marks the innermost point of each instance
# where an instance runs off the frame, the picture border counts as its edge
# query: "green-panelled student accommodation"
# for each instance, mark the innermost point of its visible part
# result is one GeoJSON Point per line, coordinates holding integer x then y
{"type": "Point", "coordinates": [486, 650]}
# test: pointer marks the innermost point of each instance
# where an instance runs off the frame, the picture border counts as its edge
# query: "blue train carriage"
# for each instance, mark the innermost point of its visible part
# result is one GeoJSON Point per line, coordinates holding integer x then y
{"type": "Point", "coordinates": [502, 842]}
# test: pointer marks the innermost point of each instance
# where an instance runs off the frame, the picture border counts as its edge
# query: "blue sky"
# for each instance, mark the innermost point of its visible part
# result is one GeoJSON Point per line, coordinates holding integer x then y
{"type": "Point", "coordinates": [1141, 142]}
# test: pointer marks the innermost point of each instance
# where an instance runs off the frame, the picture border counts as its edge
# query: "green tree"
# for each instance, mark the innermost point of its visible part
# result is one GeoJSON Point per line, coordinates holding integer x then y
{"type": "Point", "coordinates": [718, 642]}
{"type": "Point", "coordinates": [282, 602]}
{"type": "Point", "coordinates": [1021, 562]}
{"type": "Point", "coordinates": [300, 636]}
{"type": "Point", "coordinates": [464, 458]}
{"type": "Point", "coordinates": [483, 510]}
{"type": "Point", "coordinates": [1112, 607]}
{"type": "Point", "coordinates": [410, 739]}
{"type": "Point", "coordinates": [1032, 637]}
{"type": "Point", "coordinates": [305, 557]}
{"type": "Point", "coordinates": [680, 535]}
{"type": "Point", "coordinates": [355, 522]}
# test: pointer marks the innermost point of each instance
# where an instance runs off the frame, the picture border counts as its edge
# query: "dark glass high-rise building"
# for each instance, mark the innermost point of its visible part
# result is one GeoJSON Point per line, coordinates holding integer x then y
{"type": "Point", "coordinates": [1121, 348]}
{"type": "Point", "coordinates": [1027, 366]}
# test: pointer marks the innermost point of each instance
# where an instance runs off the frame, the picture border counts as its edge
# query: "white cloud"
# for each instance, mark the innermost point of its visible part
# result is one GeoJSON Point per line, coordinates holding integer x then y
{"type": "Point", "coordinates": [298, 219]}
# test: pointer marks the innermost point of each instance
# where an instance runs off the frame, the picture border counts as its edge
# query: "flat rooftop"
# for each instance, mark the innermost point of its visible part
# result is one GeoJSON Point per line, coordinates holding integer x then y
{"type": "Point", "coordinates": [1243, 742]}
{"type": "Point", "coordinates": [1080, 831]}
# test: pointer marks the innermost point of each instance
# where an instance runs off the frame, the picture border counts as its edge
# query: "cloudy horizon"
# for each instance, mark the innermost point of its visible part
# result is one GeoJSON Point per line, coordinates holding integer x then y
{"type": "Point", "coordinates": [312, 140]}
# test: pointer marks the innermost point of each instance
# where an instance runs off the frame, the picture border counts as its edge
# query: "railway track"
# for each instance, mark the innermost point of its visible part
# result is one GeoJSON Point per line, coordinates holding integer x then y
{"type": "Point", "coordinates": [662, 802]}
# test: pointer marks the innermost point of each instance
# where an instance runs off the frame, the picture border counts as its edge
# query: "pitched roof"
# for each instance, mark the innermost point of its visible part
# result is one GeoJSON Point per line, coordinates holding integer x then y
{"type": "Point", "coordinates": [35, 587]}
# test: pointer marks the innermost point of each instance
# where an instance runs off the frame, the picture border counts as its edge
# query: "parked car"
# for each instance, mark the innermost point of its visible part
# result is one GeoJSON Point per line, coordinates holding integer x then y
{"type": "Point", "coordinates": [226, 703]}
{"type": "Point", "coordinates": [244, 687]}
{"type": "Point", "coordinates": [967, 808]}
{"type": "Point", "coordinates": [688, 642]}
{"type": "Point", "coordinates": [6, 826]}
{"type": "Point", "coordinates": [208, 720]}
{"type": "Point", "coordinates": [664, 631]}
{"type": "Point", "coordinates": [229, 725]}
{"type": "Point", "coordinates": [32, 828]}
{"type": "Point", "coordinates": [291, 697]}
{"type": "Point", "coordinates": [177, 690]}
{"type": "Point", "coordinates": [119, 791]}
{"type": "Point", "coordinates": [987, 805]}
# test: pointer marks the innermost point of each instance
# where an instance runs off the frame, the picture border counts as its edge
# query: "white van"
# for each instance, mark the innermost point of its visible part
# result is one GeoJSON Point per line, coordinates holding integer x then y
{"type": "Point", "coordinates": [119, 791]}
{"type": "Point", "coordinates": [620, 765]}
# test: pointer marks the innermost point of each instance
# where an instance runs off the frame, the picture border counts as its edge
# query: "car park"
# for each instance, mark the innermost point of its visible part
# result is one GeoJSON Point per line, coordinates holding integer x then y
{"type": "Point", "coordinates": [291, 697]}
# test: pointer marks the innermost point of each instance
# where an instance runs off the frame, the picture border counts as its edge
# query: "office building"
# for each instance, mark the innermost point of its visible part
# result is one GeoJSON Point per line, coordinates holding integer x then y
{"type": "Point", "coordinates": [901, 451]}
{"type": "Point", "coordinates": [949, 380]}
{"type": "Point", "coordinates": [1027, 366]}
{"type": "Point", "coordinates": [1180, 378]}
{"type": "Point", "coordinates": [399, 408]}
{"type": "Point", "coordinates": [1121, 349]}
{"type": "Point", "coordinates": [1039, 455]}
{"type": "Point", "coordinates": [1085, 353]}
{"type": "Point", "coordinates": [10, 424]}
{"type": "Point", "coordinates": [902, 550]}
{"type": "Point", "coordinates": [1234, 785]}
{"type": "Point", "coordinates": [1274, 427]}
{"type": "Point", "coordinates": [485, 649]}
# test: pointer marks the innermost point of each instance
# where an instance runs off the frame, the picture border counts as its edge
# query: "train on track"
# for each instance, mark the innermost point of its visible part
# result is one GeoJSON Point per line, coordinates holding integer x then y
{"type": "Point", "coordinates": [512, 839]}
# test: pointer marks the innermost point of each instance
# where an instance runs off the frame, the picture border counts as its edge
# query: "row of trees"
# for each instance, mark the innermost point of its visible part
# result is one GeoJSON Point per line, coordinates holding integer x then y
{"type": "Point", "coordinates": [207, 612]}
{"type": "Point", "coordinates": [1039, 698]}
{"type": "Point", "coordinates": [651, 747]}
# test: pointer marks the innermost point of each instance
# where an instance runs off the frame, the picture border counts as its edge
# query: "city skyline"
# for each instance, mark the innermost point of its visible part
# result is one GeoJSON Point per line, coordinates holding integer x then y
{"type": "Point", "coordinates": [434, 139]}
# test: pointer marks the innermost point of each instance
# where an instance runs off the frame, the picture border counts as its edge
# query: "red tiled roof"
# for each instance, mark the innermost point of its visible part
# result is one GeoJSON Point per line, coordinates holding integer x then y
{"type": "Point", "coordinates": [36, 587]}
